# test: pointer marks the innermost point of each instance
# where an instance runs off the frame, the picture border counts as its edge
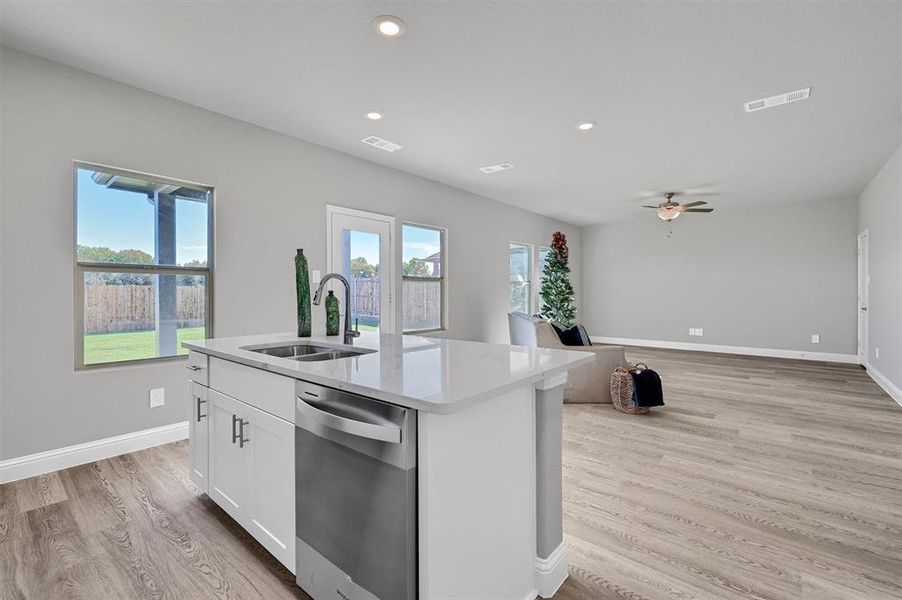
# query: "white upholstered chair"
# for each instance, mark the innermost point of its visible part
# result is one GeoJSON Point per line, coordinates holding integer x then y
{"type": "Point", "coordinates": [586, 383]}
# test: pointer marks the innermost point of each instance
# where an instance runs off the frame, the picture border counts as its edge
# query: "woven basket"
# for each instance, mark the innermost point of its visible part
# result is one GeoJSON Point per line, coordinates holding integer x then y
{"type": "Point", "coordinates": [622, 390]}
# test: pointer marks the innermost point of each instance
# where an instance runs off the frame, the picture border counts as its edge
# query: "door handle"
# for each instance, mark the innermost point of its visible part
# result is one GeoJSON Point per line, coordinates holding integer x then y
{"type": "Point", "coordinates": [373, 431]}
{"type": "Point", "coordinates": [193, 368]}
{"type": "Point", "coordinates": [199, 402]}
{"type": "Point", "coordinates": [241, 439]}
{"type": "Point", "coordinates": [234, 428]}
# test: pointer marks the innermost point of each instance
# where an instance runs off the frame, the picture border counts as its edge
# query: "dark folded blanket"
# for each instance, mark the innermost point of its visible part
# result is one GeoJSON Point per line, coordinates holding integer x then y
{"type": "Point", "coordinates": [647, 388]}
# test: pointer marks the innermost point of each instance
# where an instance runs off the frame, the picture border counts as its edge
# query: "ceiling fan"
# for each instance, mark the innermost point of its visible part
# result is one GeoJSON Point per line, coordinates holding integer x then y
{"type": "Point", "coordinates": [670, 210]}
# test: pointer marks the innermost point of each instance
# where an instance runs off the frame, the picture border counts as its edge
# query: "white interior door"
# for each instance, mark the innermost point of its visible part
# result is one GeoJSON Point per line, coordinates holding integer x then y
{"type": "Point", "coordinates": [864, 281]}
{"type": "Point", "coordinates": [360, 247]}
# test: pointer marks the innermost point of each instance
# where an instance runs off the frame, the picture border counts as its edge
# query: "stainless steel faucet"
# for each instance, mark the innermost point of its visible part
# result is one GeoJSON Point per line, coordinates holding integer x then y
{"type": "Point", "coordinates": [350, 334]}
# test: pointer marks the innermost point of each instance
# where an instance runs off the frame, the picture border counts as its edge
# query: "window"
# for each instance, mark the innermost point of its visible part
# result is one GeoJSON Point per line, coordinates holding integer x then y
{"type": "Point", "coordinates": [423, 278]}
{"type": "Point", "coordinates": [520, 277]}
{"type": "Point", "coordinates": [143, 265]}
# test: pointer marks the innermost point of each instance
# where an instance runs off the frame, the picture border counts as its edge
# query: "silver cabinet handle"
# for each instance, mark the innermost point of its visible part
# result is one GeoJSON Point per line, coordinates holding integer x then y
{"type": "Point", "coordinates": [199, 402]}
{"type": "Point", "coordinates": [193, 368]}
{"type": "Point", "coordinates": [234, 428]}
{"type": "Point", "coordinates": [372, 431]}
{"type": "Point", "coordinates": [241, 439]}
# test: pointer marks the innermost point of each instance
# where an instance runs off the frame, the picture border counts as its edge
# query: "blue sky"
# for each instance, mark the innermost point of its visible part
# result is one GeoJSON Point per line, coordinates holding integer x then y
{"type": "Point", "coordinates": [124, 220]}
{"type": "Point", "coordinates": [417, 242]}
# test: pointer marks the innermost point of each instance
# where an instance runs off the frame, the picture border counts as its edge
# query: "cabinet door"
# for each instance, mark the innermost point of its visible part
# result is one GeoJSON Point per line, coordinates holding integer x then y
{"type": "Point", "coordinates": [271, 445]}
{"type": "Point", "coordinates": [230, 484]}
{"type": "Point", "coordinates": [198, 435]}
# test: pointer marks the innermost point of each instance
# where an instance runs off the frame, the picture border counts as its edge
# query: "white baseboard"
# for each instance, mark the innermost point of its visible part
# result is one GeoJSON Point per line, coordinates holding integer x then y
{"type": "Point", "coordinates": [851, 359]}
{"type": "Point", "coordinates": [79, 454]}
{"type": "Point", "coordinates": [551, 572]}
{"type": "Point", "coordinates": [888, 386]}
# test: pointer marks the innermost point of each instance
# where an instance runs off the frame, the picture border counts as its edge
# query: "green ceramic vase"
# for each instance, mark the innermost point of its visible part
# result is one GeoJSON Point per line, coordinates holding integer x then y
{"type": "Point", "coordinates": [332, 315]}
{"type": "Point", "coordinates": [302, 279]}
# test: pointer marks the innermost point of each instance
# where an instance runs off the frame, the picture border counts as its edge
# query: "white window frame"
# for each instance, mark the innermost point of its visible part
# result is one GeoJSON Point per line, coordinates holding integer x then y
{"type": "Point", "coordinates": [82, 267]}
{"type": "Point", "coordinates": [388, 324]}
{"type": "Point", "coordinates": [530, 268]}
{"type": "Point", "coordinates": [443, 279]}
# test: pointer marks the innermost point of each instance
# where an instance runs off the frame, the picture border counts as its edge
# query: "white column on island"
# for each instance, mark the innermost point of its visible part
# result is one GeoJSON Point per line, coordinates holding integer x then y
{"type": "Point", "coordinates": [551, 554]}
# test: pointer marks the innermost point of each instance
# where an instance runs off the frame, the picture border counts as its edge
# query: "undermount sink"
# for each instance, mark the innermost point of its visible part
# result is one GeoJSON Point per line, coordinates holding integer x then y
{"type": "Point", "coordinates": [331, 355]}
{"type": "Point", "coordinates": [291, 351]}
{"type": "Point", "coordinates": [307, 352]}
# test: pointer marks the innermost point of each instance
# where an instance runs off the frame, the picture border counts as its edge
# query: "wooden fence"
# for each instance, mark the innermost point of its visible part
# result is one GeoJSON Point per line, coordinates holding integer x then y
{"type": "Point", "coordinates": [121, 308]}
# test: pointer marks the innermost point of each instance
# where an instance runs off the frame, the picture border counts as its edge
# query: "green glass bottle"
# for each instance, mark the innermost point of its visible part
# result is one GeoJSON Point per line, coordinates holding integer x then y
{"type": "Point", "coordinates": [302, 279]}
{"type": "Point", "coordinates": [332, 316]}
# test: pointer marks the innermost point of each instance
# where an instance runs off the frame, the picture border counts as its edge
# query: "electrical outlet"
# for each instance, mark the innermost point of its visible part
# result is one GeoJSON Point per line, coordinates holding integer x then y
{"type": "Point", "coordinates": [815, 338]}
{"type": "Point", "coordinates": [699, 332]}
{"type": "Point", "coordinates": [876, 352]}
{"type": "Point", "coordinates": [691, 331]}
{"type": "Point", "coordinates": [157, 397]}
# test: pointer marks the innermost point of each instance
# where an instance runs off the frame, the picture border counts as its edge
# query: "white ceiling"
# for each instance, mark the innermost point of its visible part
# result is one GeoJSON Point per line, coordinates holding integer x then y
{"type": "Point", "coordinates": [474, 84]}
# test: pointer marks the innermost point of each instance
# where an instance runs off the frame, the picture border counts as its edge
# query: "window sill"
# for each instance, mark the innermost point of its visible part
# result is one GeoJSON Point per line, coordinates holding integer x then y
{"type": "Point", "coordinates": [140, 362]}
{"type": "Point", "coordinates": [425, 331]}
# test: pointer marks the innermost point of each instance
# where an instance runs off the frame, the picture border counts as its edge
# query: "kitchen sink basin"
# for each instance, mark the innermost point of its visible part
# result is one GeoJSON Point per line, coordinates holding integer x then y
{"type": "Point", "coordinates": [307, 352]}
{"type": "Point", "coordinates": [331, 355]}
{"type": "Point", "coordinates": [291, 351]}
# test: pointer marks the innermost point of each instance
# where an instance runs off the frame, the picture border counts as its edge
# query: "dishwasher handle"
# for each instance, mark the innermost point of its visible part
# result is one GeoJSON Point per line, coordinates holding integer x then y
{"type": "Point", "coordinates": [382, 433]}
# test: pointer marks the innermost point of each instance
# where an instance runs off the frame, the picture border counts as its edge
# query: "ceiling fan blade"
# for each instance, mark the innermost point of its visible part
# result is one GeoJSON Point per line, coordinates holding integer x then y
{"type": "Point", "coordinates": [696, 203]}
{"type": "Point", "coordinates": [647, 206]}
{"type": "Point", "coordinates": [699, 210]}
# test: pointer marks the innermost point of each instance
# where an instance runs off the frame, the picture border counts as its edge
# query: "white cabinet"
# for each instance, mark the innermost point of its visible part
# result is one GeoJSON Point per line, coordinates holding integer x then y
{"type": "Point", "coordinates": [230, 485]}
{"type": "Point", "coordinates": [251, 471]}
{"type": "Point", "coordinates": [271, 442]}
{"type": "Point", "coordinates": [199, 434]}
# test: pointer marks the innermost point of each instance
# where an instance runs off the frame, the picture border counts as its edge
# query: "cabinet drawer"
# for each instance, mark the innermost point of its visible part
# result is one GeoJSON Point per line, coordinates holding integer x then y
{"type": "Point", "coordinates": [197, 367]}
{"type": "Point", "coordinates": [268, 392]}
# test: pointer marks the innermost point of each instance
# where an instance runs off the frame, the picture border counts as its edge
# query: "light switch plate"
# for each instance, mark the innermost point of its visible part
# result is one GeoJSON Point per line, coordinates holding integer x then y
{"type": "Point", "coordinates": [157, 397]}
{"type": "Point", "coordinates": [317, 277]}
{"type": "Point", "coordinates": [876, 352]}
{"type": "Point", "coordinates": [699, 332]}
{"type": "Point", "coordinates": [815, 338]}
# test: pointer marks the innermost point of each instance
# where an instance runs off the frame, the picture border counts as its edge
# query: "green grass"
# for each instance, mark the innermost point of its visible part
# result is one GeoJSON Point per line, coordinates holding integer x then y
{"type": "Point", "coordinates": [367, 324]}
{"type": "Point", "coordinates": [133, 345]}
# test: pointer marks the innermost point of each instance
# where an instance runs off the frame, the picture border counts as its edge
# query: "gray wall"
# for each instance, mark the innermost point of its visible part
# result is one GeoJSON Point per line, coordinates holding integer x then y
{"type": "Point", "coordinates": [755, 278]}
{"type": "Point", "coordinates": [880, 212]}
{"type": "Point", "coordinates": [271, 196]}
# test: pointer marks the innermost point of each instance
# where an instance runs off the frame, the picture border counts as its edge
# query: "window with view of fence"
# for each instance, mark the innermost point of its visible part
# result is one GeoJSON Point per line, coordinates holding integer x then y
{"type": "Point", "coordinates": [121, 308]}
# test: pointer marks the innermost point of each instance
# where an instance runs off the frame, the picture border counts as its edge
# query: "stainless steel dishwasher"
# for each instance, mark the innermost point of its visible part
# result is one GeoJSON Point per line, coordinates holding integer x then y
{"type": "Point", "coordinates": [356, 496]}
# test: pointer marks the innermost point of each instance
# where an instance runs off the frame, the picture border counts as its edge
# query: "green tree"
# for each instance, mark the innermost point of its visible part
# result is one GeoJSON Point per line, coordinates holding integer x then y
{"type": "Point", "coordinates": [416, 267]}
{"type": "Point", "coordinates": [361, 268]}
{"type": "Point", "coordinates": [556, 292]}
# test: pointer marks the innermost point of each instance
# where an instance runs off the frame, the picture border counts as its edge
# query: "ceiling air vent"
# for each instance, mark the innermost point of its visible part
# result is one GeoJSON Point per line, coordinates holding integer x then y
{"type": "Point", "coordinates": [496, 168]}
{"type": "Point", "coordinates": [378, 142]}
{"type": "Point", "coordinates": [773, 101]}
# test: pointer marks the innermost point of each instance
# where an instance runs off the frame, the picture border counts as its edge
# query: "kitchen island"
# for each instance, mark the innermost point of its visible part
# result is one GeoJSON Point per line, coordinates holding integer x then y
{"type": "Point", "coordinates": [398, 468]}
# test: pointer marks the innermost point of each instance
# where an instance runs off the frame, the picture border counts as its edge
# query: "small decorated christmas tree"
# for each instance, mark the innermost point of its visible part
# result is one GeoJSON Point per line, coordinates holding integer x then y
{"type": "Point", "coordinates": [556, 292]}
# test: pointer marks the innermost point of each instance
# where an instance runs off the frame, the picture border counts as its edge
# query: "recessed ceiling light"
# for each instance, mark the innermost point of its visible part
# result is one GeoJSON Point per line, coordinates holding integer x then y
{"type": "Point", "coordinates": [389, 26]}
{"type": "Point", "coordinates": [374, 116]}
{"type": "Point", "coordinates": [585, 125]}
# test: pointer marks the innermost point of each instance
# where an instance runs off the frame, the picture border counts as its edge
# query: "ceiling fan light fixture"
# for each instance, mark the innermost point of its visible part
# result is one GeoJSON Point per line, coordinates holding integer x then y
{"type": "Point", "coordinates": [669, 213]}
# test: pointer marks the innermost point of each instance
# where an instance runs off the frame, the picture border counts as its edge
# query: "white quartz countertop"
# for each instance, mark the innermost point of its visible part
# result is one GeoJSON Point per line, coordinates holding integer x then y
{"type": "Point", "coordinates": [432, 374]}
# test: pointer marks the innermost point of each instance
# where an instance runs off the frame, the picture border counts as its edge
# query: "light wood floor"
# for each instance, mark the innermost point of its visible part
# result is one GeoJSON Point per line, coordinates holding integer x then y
{"type": "Point", "coordinates": [761, 478]}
